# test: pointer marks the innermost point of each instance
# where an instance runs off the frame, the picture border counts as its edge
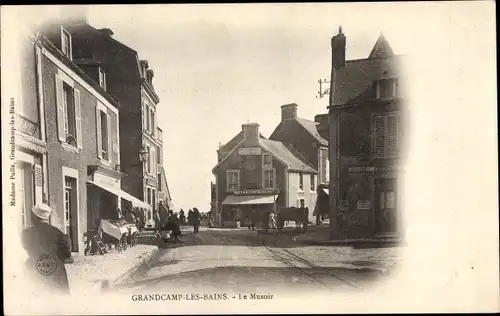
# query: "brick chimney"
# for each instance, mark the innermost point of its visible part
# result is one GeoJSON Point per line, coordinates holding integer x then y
{"type": "Point", "coordinates": [107, 32]}
{"type": "Point", "coordinates": [338, 49]}
{"type": "Point", "coordinates": [251, 134]}
{"type": "Point", "coordinates": [288, 111]}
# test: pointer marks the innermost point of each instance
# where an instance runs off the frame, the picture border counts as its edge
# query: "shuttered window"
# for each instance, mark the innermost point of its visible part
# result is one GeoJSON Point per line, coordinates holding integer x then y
{"type": "Point", "coordinates": [385, 136]}
{"type": "Point", "coordinates": [38, 183]}
{"type": "Point", "coordinates": [69, 122]}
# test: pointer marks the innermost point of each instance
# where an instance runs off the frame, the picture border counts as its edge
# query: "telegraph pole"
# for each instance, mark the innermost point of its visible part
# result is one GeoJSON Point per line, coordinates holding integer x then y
{"type": "Point", "coordinates": [322, 92]}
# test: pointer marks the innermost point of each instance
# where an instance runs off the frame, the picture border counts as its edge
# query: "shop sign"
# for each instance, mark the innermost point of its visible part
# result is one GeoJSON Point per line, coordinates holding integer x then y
{"type": "Point", "coordinates": [250, 151]}
{"type": "Point", "coordinates": [374, 169]}
{"type": "Point", "coordinates": [256, 191]}
{"type": "Point", "coordinates": [364, 204]}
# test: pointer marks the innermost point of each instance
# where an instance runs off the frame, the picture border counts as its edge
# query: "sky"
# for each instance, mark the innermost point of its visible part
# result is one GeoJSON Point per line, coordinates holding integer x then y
{"type": "Point", "coordinates": [217, 67]}
{"type": "Point", "coordinates": [220, 66]}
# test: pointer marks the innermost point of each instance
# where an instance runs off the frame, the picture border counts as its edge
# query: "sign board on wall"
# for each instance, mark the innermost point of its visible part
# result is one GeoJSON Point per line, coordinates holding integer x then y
{"type": "Point", "coordinates": [374, 169]}
{"type": "Point", "coordinates": [250, 151]}
{"type": "Point", "coordinates": [364, 204]}
{"type": "Point", "coordinates": [256, 191]}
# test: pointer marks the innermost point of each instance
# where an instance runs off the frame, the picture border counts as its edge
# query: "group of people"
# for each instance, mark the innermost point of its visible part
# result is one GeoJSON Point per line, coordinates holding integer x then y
{"type": "Point", "coordinates": [174, 221]}
{"type": "Point", "coordinates": [268, 219]}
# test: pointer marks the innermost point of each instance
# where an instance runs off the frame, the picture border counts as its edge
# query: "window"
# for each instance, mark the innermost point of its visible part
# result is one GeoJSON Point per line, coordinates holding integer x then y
{"type": "Point", "coordinates": [102, 78]}
{"type": "Point", "coordinates": [301, 181]}
{"type": "Point", "coordinates": [385, 136]}
{"type": "Point", "coordinates": [152, 127]}
{"type": "Point", "coordinates": [233, 180]}
{"type": "Point", "coordinates": [386, 88]}
{"type": "Point", "coordinates": [69, 115]}
{"type": "Point", "coordinates": [269, 179]}
{"type": "Point", "coordinates": [149, 196]}
{"type": "Point", "coordinates": [69, 124]}
{"type": "Point", "coordinates": [267, 161]}
{"type": "Point", "coordinates": [153, 163]}
{"type": "Point", "coordinates": [160, 135]}
{"type": "Point", "coordinates": [159, 182]}
{"type": "Point", "coordinates": [313, 185]}
{"type": "Point", "coordinates": [324, 174]}
{"type": "Point", "coordinates": [66, 43]}
{"type": "Point", "coordinates": [158, 156]}
{"type": "Point", "coordinates": [103, 137]}
{"type": "Point", "coordinates": [146, 114]}
{"type": "Point", "coordinates": [149, 159]}
{"type": "Point", "coordinates": [153, 198]}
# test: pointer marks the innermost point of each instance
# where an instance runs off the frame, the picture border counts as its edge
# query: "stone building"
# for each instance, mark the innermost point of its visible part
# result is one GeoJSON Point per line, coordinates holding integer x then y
{"type": "Point", "coordinates": [130, 81]}
{"type": "Point", "coordinates": [366, 139]}
{"type": "Point", "coordinates": [262, 175]}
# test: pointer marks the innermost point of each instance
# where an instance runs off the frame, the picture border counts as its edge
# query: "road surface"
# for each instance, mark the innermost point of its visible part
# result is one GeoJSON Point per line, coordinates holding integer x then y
{"type": "Point", "coordinates": [241, 261]}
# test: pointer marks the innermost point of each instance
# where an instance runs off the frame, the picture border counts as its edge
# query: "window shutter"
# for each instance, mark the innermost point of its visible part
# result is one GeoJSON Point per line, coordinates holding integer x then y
{"type": "Point", "coordinates": [78, 118]}
{"type": "Point", "coordinates": [108, 133]}
{"type": "Point", "coordinates": [392, 135]}
{"type": "Point", "coordinates": [60, 108]}
{"type": "Point", "coordinates": [153, 161]}
{"type": "Point", "coordinates": [379, 137]}
{"type": "Point", "coordinates": [37, 183]}
{"type": "Point", "coordinates": [98, 127]}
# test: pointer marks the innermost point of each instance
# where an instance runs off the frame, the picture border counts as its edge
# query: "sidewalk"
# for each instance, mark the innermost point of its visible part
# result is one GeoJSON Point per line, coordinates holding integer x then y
{"type": "Point", "coordinates": [88, 274]}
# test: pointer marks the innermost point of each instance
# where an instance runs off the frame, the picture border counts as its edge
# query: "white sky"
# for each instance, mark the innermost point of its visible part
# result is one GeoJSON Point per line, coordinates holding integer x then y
{"type": "Point", "coordinates": [217, 67]}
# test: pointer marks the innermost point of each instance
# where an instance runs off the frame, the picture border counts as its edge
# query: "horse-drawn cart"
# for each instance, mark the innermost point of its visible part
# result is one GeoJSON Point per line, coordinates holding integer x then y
{"type": "Point", "coordinates": [296, 214]}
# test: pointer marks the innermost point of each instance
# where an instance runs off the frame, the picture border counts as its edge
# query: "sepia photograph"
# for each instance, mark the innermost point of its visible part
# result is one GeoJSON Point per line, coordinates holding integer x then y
{"type": "Point", "coordinates": [248, 158]}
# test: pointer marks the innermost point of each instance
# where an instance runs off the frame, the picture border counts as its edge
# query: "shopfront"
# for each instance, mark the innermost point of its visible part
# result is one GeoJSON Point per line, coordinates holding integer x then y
{"type": "Point", "coordinates": [239, 206]}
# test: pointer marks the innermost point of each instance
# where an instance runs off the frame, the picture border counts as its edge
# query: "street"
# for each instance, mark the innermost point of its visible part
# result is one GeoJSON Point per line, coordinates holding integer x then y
{"type": "Point", "coordinates": [245, 261]}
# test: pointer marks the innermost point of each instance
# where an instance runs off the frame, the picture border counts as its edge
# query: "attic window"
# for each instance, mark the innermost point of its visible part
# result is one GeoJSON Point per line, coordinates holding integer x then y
{"type": "Point", "coordinates": [386, 88]}
{"type": "Point", "coordinates": [102, 78]}
{"type": "Point", "coordinates": [66, 43]}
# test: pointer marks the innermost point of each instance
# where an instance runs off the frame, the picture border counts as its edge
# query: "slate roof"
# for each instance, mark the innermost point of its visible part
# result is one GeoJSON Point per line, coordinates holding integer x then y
{"type": "Point", "coordinates": [283, 153]}
{"type": "Point", "coordinates": [312, 128]}
{"type": "Point", "coordinates": [356, 80]}
{"type": "Point", "coordinates": [358, 76]}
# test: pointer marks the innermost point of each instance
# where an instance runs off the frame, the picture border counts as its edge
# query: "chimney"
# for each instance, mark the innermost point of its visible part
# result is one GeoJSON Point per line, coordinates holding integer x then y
{"type": "Point", "coordinates": [144, 66]}
{"type": "Point", "coordinates": [288, 111]}
{"type": "Point", "coordinates": [149, 76]}
{"type": "Point", "coordinates": [251, 134]}
{"type": "Point", "coordinates": [338, 50]}
{"type": "Point", "coordinates": [107, 32]}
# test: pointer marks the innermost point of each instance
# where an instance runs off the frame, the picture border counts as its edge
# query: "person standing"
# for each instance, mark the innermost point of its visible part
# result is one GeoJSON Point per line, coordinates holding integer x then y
{"type": "Point", "coordinates": [196, 220]}
{"type": "Point", "coordinates": [272, 220]}
{"type": "Point", "coordinates": [48, 249]}
{"type": "Point", "coordinates": [182, 217]}
{"type": "Point", "coordinates": [156, 218]}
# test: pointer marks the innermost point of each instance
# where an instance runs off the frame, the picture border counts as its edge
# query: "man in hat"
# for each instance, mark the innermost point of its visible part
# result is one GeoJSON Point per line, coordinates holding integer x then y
{"type": "Point", "coordinates": [47, 248]}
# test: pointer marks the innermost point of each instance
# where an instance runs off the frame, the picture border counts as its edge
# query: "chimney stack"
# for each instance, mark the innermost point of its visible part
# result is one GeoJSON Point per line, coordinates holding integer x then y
{"type": "Point", "coordinates": [289, 111]}
{"type": "Point", "coordinates": [338, 49]}
{"type": "Point", "coordinates": [149, 76]}
{"type": "Point", "coordinates": [251, 134]}
{"type": "Point", "coordinates": [107, 32]}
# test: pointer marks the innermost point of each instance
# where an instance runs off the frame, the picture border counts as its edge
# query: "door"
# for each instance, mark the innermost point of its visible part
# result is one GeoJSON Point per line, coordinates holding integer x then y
{"type": "Point", "coordinates": [71, 212]}
{"type": "Point", "coordinates": [385, 206]}
{"type": "Point", "coordinates": [24, 191]}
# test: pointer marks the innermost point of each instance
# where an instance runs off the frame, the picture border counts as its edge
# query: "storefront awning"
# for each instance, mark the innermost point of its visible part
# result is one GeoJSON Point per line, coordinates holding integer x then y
{"type": "Point", "coordinates": [249, 199]}
{"type": "Point", "coordinates": [327, 191]}
{"type": "Point", "coordinates": [124, 195]}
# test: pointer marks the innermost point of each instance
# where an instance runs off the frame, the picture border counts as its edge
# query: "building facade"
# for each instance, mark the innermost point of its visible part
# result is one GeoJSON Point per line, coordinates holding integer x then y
{"type": "Point", "coordinates": [82, 141]}
{"type": "Point", "coordinates": [261, 175]}
{"type": "Point", "coordinates": [366, 138]}
{"type": "Point", "coordinates": [130, 80]}
{"type": "Point", "coordinates": [30, 137]}
{"type": "Point", "coordinates": [307, 139]}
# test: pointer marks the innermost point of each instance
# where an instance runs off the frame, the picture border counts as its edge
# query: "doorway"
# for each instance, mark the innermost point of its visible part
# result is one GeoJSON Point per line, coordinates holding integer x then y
{"type": "Point", "coordinates": [71, 211]}
{"type": "Point", "coordinates": [385, 206]}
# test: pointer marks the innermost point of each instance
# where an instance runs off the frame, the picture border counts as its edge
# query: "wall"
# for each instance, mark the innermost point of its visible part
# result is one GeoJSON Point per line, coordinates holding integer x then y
{"type": "Point", "coordinates": [292, 132]}
{"type": "Point", "coordinates": [28, 106]}
{"type": "Point", "coordinates": [58, 156]}
{"type": "Point", "coordinates": [295, 194]}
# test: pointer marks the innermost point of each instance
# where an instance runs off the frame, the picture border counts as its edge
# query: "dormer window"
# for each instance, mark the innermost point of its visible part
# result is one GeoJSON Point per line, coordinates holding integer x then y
{"type": "Point", "coordinates": [102, 78]}
{"type": "Point", "coordinates": [386, 88]}
{"type": "Point", "coordinates": [66, 43]}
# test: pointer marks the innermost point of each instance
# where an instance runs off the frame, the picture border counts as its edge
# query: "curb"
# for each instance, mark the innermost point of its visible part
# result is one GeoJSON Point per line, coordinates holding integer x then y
{"type": "Point", "coordinates": [109, 284]}
{"type": "Point", "coordinates": [347, 242]}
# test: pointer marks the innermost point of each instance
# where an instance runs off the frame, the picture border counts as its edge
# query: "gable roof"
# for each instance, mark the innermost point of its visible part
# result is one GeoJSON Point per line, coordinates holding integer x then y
{"type": "Point", "coordinates": [234, 141]}
{"type": "Point", "coordinates": [284, 154]}
{"type": "Point", "coordinates": [312, 128]}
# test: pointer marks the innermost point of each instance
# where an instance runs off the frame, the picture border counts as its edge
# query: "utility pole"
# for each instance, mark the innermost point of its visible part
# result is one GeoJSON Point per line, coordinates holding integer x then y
{"type": "Point", "coordinates": [323, 83]}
